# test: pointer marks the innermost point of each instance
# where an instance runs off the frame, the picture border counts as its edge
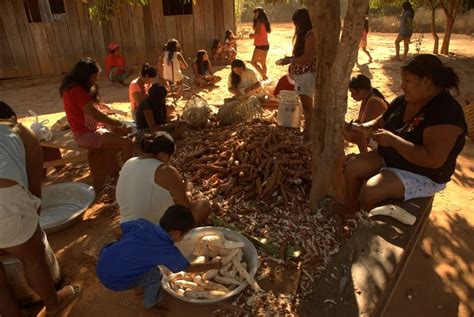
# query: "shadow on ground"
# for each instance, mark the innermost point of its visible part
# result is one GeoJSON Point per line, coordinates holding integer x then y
{"type": "Point", "coordinates": [439, 278]}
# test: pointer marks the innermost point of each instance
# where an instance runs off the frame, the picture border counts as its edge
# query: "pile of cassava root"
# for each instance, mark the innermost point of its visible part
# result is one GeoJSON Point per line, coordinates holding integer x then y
{"type": "Point", "coordinates": [255, 161]}
{"type": "Point", "coordinates": [258, 174]}
{"type": "Point", "coordinates": [214, 283]}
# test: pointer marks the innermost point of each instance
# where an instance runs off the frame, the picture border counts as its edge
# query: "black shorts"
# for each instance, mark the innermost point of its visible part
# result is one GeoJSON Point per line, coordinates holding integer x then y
{"type": "Point", "coordinates": [263, 47]}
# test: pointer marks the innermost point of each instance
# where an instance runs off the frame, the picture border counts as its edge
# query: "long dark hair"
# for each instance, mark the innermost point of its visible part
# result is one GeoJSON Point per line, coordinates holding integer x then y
{"type": "Point", "coordinates": [157, 100]}
{"type": "Point", "coordinates": [303, 24]}
{"type": "Point", "coordinates": [172, 46]}
{"type": "Point", "coordinates": [215, 44]}
{"type": "Point", "coordinates": [428, 65]}
{"type": "Point", "coordinates": [366, 25]}
{"type": "Point", "coordinates": [148, 71]}
{"type": "Point", "coordinates": [201, 64]}
{"type": "Point", "coordinates": [362, 82]}
{"type": "Point", "coordinates": [228, 34]}
{"type": "Point", "coordinates": [80, 75]}
{"type": "Point", "coordinates": [234, 77]}
{"type": "Point", "coordinates": [158, 142]}
{"type": "Point", "coordinates": [262, 18]}
{"type": "Point", "coordinates": [6, 112]}
{"type": "Point", "coordinates": [407, 7]}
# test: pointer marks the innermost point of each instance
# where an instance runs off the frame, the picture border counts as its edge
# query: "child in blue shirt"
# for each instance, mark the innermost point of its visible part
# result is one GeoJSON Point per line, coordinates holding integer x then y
{"type": "Point", "coordinates": [132, 262]}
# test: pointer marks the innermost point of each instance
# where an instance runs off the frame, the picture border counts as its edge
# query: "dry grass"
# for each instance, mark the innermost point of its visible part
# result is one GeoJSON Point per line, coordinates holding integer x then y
{"type": "Point", "coordinates": [390, 24]}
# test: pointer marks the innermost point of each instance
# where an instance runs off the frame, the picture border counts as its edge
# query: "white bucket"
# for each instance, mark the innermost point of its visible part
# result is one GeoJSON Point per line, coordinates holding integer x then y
{"type": "Point", "coordinates": [16, 275]}
{"type": "Point", "coordinates": [289, 109]}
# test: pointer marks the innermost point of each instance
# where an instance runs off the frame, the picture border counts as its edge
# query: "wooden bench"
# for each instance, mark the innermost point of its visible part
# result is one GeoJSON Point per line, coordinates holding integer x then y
{"type": "Point", "coordinates": [101, 162]}
{"type": "Point", "coordinates": [371, 262]}
{"type": "Point", "coordinates": [63, 140]}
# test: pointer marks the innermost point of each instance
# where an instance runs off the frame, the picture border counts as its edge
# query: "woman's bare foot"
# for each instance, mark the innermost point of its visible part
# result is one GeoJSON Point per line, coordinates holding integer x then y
{"type": "Point", "coordinates": [66, 296]}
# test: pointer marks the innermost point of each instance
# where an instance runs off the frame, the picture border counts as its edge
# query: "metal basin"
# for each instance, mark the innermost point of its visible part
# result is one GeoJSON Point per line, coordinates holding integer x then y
{"type": "Point", "coordinates": [186, 246]}
{"type": "Point", "coordinates": [63, 204]}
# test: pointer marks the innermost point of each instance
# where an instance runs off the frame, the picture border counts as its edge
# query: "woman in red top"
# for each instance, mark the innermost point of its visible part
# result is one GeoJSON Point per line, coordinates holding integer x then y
{"type": "Point", "coordinates": [115, 65]}
{"type": "Point", "coordinates": [261, 28]}
{"type": "Point", "coordinates": [138, 89]}
{"type": "Point", "coordinates": [79, 92]}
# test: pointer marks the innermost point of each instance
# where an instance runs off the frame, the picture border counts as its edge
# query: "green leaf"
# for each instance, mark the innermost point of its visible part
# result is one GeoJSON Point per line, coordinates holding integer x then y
{"type": "Point", "coordinates": [269, 246]}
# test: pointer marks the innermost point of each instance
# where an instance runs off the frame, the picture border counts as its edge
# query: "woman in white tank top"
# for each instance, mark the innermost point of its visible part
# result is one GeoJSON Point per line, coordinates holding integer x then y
{"type": "Point", "coordinates": [149, 184]}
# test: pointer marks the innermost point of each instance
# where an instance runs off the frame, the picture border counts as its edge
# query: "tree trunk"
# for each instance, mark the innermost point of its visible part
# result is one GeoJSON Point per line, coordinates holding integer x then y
{"type": "Point", "coordinates": [451, 11]}
{"type": "Point", "coordinates": [447, 35]}
{"type": "Point", "coordinates": [433, 27]}
{"type": "Point", "coordinates": [336, 55]}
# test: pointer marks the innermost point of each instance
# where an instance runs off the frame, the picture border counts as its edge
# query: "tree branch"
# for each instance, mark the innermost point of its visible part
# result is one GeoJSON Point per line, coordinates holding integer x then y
{"type": "Point", "coordinates": [441, 2]}
{"type": "Point", "coordinates": [456, 8]}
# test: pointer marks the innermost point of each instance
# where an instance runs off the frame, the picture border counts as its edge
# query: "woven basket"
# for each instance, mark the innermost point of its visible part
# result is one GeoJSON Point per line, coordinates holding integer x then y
{"type": "Point", "coordinates": [240, 110]}
{"type": "Point", "coordinates": [469, 114]}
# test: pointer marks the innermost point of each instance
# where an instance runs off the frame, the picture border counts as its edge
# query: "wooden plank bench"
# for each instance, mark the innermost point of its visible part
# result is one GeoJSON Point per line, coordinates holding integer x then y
{"type": "Point", "coordinates": [101, 162]}
{"type": "Point", "coordinates": [372, 262]}
{"type": "Point", "coordinates": [63, 140]}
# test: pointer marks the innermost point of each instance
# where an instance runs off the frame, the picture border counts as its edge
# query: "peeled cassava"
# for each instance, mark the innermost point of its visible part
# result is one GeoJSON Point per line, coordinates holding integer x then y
{"type": "Point", "coordinates": [214, 283]}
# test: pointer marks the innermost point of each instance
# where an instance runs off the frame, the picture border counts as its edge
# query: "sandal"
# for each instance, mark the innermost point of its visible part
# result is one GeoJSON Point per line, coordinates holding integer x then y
{"type": "Point", "coordinates": [75, 291]}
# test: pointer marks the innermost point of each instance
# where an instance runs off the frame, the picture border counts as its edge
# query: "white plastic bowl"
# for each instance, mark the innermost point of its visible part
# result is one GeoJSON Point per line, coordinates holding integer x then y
{"type": "Point", "coordinates": [186, 246]}
{"type": "Point", "coordinates": [63, 204]}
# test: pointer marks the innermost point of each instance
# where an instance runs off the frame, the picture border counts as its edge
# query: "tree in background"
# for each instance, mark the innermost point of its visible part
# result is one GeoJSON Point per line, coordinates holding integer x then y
{"type": "Point", "coordinates": [433, 4]}
{"type": "Point", "coordinates": [450, 9]}
{"type": "Point", "coordinates": [102, 10]}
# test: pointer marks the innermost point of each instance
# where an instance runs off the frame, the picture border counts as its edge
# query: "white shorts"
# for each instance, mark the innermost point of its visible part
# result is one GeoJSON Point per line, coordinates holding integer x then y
{"type": "Point", "coordinates": [416, 185]}
{"type": "Point", "coordinates": [18, 216]}
{"type": "Point", "coordinates": [304, 84]}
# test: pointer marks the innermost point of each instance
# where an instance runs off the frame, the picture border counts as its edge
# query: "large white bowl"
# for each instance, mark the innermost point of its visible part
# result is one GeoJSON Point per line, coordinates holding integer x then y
{"type": "Point", "coordinates": [186, 246]}
{"type": "Point", "coordinates": [63, 204]}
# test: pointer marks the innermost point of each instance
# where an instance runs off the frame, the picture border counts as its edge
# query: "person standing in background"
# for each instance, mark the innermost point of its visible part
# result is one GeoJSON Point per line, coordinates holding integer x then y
{"type": "Point", "coordinates": [406, 30]}
{"type": "Point", "coordinates": [261, 28]}
{"type": "Point", "coordinates": [303, 65]}
{"type": "Point", "coordinates": [363, 39]}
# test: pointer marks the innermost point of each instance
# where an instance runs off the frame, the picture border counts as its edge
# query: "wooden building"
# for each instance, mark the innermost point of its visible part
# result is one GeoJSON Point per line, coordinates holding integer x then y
{"type": "Point", "coordinates": [47, 37]}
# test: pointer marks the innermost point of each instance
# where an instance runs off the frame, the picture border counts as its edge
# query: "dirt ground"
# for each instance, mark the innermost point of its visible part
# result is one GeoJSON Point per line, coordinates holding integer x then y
{"type": "Point", "coordinates": [440, 277]}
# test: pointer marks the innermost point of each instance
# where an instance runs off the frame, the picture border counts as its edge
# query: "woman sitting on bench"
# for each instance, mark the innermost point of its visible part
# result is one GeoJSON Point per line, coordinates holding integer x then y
{"type": "Point", "coordinates": [420, 137]}
{"type": "Point", "coordinates": [80, 92]}
{"type": "Point", "coordinates": [372, 106]}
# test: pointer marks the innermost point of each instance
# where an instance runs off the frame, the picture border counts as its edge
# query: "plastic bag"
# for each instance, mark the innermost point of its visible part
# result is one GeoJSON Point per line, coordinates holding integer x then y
{"type": "Point", "coordinates": [42, 132]}
{"type": "Point", "coordinates": [196, 112]}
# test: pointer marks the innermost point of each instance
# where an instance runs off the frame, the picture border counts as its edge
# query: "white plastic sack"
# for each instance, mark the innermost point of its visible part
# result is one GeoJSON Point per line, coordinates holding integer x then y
{"type": "Point", "coordinates": [42, 132]}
